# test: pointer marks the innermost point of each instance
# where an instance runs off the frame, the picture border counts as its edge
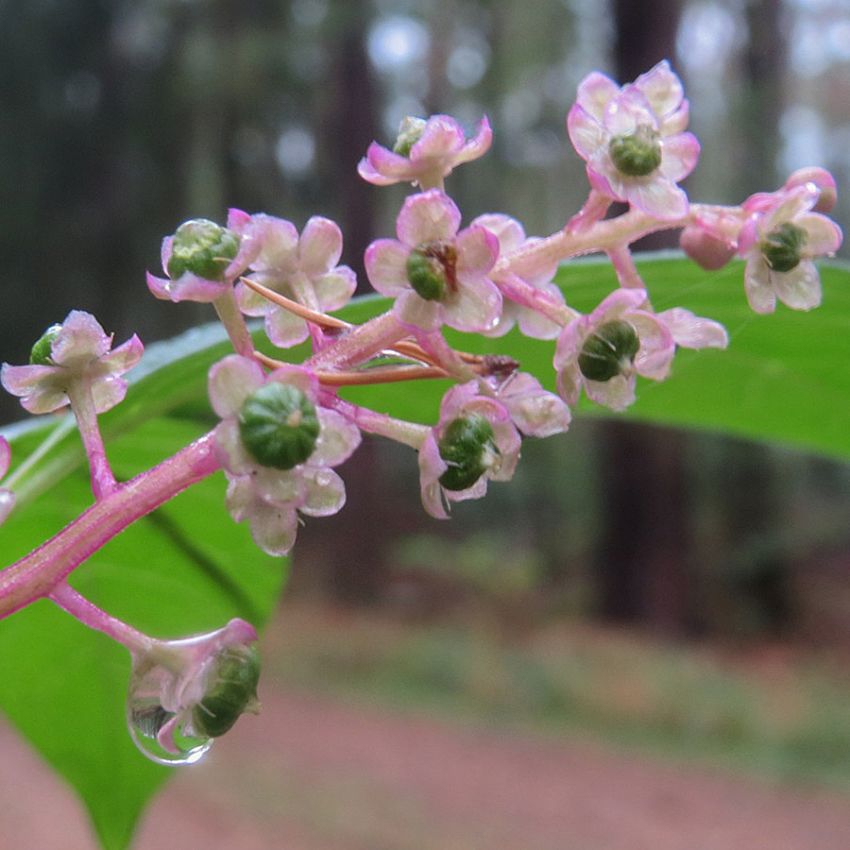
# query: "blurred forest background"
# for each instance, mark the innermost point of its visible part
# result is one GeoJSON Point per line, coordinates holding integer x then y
{"type": "Point", "coordinates": [121, 118]}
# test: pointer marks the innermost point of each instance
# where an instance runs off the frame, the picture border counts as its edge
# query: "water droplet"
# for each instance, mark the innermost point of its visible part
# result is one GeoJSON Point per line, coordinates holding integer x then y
{"type": "Point", "coordinates": [165, 736]}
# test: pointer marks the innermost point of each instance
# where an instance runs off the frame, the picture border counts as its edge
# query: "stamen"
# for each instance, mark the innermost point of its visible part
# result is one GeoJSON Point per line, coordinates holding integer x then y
{"type": "Point", "coordinates": [306, 313]}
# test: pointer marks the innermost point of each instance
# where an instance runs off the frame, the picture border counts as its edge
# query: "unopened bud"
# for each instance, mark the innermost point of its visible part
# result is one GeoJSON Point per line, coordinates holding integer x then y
{"type": "Point", "coordinates": [781, 247]}
{"type": "Point", "coordinates": [409, 133]}
{"type": "Point", "coordinates": [708, 251]}
{"type": "Point", "coordinates": [203, 248]}
{"type": "Point", "coordinates": [468, 447]}
{"type": "Point", "coordinates": [609, 351]}
{"type": "Point", "coordinates": [636, 154]}
{"type": "Point", "coordinates": [279, 426]}
{"type": "Point", "coordinates": [42, 352]}
{"type": "Point", "coordinates": [822, 180]}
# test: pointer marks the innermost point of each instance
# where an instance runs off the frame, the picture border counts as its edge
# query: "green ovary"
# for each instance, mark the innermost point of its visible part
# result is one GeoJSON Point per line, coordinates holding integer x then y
{"type": "Point", "coordinates": [279, 426]}
{"type": "Point", "coordinates": [203, 248]}
{"type": "Point", "coordinates": [782, 247]}
{"type": "Point", "coordinates": [636, 154]}
{"type": "Point", "coordinates": [467, 446]}
{"type": "Point", "coordinates": [609, 351]}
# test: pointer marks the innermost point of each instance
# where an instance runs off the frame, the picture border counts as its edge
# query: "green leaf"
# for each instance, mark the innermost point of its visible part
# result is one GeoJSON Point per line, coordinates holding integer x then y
{"type": "Point", "coordinates": [188, 568]}
{"type": "Point", "coordinates": [783, 378]}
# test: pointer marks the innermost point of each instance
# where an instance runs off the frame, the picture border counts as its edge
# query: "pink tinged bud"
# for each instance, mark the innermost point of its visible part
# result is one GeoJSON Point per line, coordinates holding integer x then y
{"type": "Point", "coordinates": [78, 350]}
{"type": "Point", "coordinates": [425, 152]}
{"type": "Point", "coordinates": [823, 181]}
{"type": "Point", "coordinates": [185, 693]}
{"type": "Point", "coordinates": [706, 250]}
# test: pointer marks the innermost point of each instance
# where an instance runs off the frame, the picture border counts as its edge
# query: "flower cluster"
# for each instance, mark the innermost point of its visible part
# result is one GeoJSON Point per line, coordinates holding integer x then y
{"type": "Point", "coordinates": [284, 429]}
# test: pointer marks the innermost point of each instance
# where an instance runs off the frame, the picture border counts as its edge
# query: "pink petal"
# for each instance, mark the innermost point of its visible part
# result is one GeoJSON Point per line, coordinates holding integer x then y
{"type": "Point", "coordinates": [441, 139]}
{"type": "Point", "coordinates": [285, 329]}
{"type": "Point", "coordinates": [537, 326]}
{"type": "Point", "coordinates": [614, 305]}
{"type": "Point", "coordinates": [475, 307]}
{"type": "Point", "coordinates": [477, 251]}
{"type": "Point", "coordinates": [252, 303]}
{"type": "Point", "coordinates": [823, 236]}
{"type": "Point", "coordinates": [431, 467]}
{"type": "Point", "coordinates": [278, 241]}
{"type": "Point", "coordinates": [595, 92]}
{"type": "Point", "coordinates": [690, 331]}
{"type": "Point", "coordinates": [586, 133]}
{"type": "Point", "coordinates": [760, 294]}
{"type": "Point", "coordinates": [416, 312]}
{"type": "Point", "coordinates": [679, 155]}
{"type": "Point", "coordinates": [617, 394]}
{"type": "Point", "coordinates": [24, 380]}
{"type": "Point", "coordinates": [569, 383]}
{"type": "Point", "coordinates": [478, 145]}
{"type": "Point", "coordinates": [324, 492]}
{"type": "Point", "coordinates": [273, 527]}
{"type": "Point", "coordinates": [238, 221]}
{"type": "Point", "coordinates": [187, 287]}
{"type": "Point", "coordinates": [658, 197]}
{"type": "Point", "coordinates": [230, 451]}
{"type": "Point", "coordinates": [677, 122]}
{"type": "Point", "coordinates": [298, 377]}
{"type": "Point", "coordinates": [82, 338]}
{"type": "Point", "coordinates": [662, 88]}
{"type": "Point", "coordinates": [629, 111]}
{"type": "Point", "coordinates": [800, 288]}
{"type": "Point", "coordinates": [337, 441]}
{"type": "Point", "coordinates": [230, 382]}
{"type": "Point", "coordinates": [506, 229]}
{"type": "Point", "coordinates": [335, 288]}
{"type": "Point", "coordinates": [386, 266]}
{"type": "Point", "coordinates": [107, 392]}
{"type": "Point", "coordinates": [279, 486]}
{"type": "Point", "coordinates": [383, 166]}
{"type": "Point", "coordinates": [320, 247]}
{"type": "Point", "coordinates": [123, 358]}
{"type": "Point", "coordinates": [427, 217]}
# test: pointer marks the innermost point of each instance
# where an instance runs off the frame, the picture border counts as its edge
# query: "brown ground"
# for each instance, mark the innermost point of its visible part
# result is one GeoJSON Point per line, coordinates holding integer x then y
{"type": "Point", "coordinates": [320, 775]}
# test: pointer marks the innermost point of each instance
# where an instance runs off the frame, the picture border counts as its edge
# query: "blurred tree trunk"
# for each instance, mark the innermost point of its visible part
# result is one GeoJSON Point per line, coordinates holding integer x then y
{"type": "Point", "coordinates": [643, 549]}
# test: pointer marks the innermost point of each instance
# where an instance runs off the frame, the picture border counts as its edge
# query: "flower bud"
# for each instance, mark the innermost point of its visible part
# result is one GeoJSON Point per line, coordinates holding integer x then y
{"type": "Point", "coordinates": [231, 692]}
{"type": "Point", "coordinates": [409, 133]}
{"type": "Point", "coordinates": [781, 247]}
{"type": "Point", "coordinates": [822, 180]}
{"type": "Point", "coordinates": [636, 154]}
{"type": "Point", "coordinates": [203, 248]}
{"type": "Point", "coordinates": [609, 351]}
{"type": "Point", "coordinates": [708, 251]}
{"type": "Point", "coordinates": [278, 425]}
{"type": "Point", "coordinates": [42, 352]}
{"type": "Point", "coordinates": [468, 447]}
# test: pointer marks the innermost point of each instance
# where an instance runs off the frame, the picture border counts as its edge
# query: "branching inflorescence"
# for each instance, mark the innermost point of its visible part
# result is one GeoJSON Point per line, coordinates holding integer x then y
{"type": "Point", "coordinates": [284, 428]}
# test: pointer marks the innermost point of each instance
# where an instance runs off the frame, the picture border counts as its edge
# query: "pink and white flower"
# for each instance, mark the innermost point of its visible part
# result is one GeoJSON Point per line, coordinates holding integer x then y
{"type": "Point", "coordinates": [77, 352]}
{"type": "Point", "coordinates": [304, 269]}
{"type": "Point", "coordinates": [532, 323]}
{"type": "Point", "coordinates": [425, 152]}
{"type": "Point", "coordinates": [204, 245]}
{"type": "Point", "coordinates": [436, 274]}
{"type": "Point", "coordinates": [474, 442]}
{"type": "Point", "coordinates": [271, 498]}
{"type": "Point", "coordinates": [632, 140]}
{"type": "Point", "coordinates": [603, 352]}
{"type": "Point", "coordinates": [780, 239]}
{"type": "Point", "coordinates": [535, 412]}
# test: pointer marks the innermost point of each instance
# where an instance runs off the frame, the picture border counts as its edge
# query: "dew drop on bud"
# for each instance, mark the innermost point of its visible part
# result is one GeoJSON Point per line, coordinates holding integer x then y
{"type": "Point", "coordinates": [166, 737]}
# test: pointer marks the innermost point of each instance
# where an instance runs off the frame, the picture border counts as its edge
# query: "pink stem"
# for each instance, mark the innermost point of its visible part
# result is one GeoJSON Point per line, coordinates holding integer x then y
{"type": "Point", "coordinates": [359, 344]}
{"type": "Point", "coordinates": [36, 575]}
{"type": "Point", "coordinates": [434, 344]}
{"type": "Point", "coordinates": [234, 323]}
{"type": "Point", "coordinates": [82, 403]}
{"type": "Point", "coordinates": [624, 265]}
{"type": "Point", "coordinates": [409, 433]}
{"type": "Point", "coordinates": [523, 293]}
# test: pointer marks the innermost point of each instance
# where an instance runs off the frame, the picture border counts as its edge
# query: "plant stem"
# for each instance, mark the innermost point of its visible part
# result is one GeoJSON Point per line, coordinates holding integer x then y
{"type": "Point", "coordinates": [82, 403]}
{"type": "Point", "coordinates": [37, 574]}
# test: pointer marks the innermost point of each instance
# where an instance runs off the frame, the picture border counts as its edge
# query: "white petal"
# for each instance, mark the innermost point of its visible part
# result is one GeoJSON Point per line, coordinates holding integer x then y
{"type": "Point", "coordinates": [324, 493]}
